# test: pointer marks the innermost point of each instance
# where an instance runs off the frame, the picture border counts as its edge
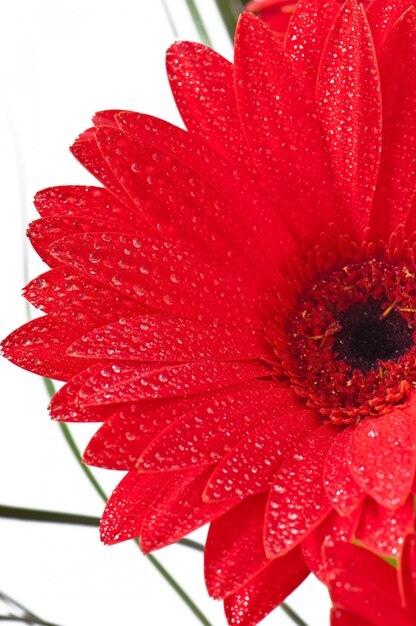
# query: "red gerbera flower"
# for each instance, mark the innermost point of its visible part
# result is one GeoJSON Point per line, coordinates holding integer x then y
{"type": "Point", "coordinates": [238, 302]}
{"type": "Point", "coordinates": [368, 591]}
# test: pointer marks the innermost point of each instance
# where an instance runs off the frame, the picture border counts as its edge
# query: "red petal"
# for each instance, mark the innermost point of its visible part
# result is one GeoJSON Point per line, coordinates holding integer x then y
{"type": "Point", "coordinates": [367, 586]}
{"type": "Point", "coordinates": [86, 150]}
{"type": "Point", "coordinates": [368, 605]}
{"type": "Point", "coordinates": [340, 486]}
{"type": "Point", "coordinates": [251, 465]}
{"type": "Point", "coordinates": [85, 203]}
{"type": "Point", "coordinates": [234, 550]}
{"type": "Point", "coordinates": [151, 381]}
{"type": "Point", "coordinates": [207, 434]}
{"type": "Point", "coordinates": [297, 501]}
{"type": "Point", "coordinates": [40, 347]}
{"type": "Point", "coordinates": [407, 573]}
{"type": "Point", "coordinates": [231, 183]}
{"type": "Point", "coordinates": [361, 566]}
{"type": "Point", "coordinates": [202, 84]}
{"type": "Point", "coordinates": [398, 80]}
{"type": "Point", "coordinates": [382, 457]}
{"type": "Point", "coordinates": [159, 338]}
{"type": "Point", "coordinates": [106, 118]}
{"type": "Point", "coordinates": [78, 299]}
{"type": "Point", "coordinates": [349, 103]}
{"type": "Point", "coordinates": [382, 530]}
{"type": "Point", "coordinates": [125, 434]}
{"type": "Point", "coordinates": [64, 408]}
{"type": "Point", "coordinates": [161, 275]}
{"type": "Point", "coordinates": [47, 230]}
{"type": "Point", "coordinates": [105, 384]}
{"type": "Point", "coordinates": [178, 509]}
{"type": "Point", "coordinates": [123, 515]}
{"type": "Point", "coordinates": [382, 15]}
{"type": "Point", "coordinates": [174, 198]}
{"type": "Point", "coordinates": [276, 13]}
{"type": "Point", "coordinates": [332, 530]}
{"type": "Point", "coordinates": [306, 36]}
{"type": "Point", "coordinates": [266, 591]}
{"type": "Point", "coordinates": [276, 118]}
{"type": "Point", "coordinates": [341, 617]}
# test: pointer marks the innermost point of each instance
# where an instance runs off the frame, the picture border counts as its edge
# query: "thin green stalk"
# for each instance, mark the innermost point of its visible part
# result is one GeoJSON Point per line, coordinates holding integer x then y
{"type": "Point", "coordinates": [25, 620]}
{"type": "Point", "coordinates": [296, 619]}
{"type": "Point", "coordinates": [56, 517]}
{"type": "Point", "coordinates": [50, 388]}
{"type": "Point", "coordinates": [230, 12]}
{"type": "Point", "coordinates": [37, 515]}
{"type": "Point", "coordinates": [74, 449]}
{"type": "Point", "coordinates": [169, 579]}
{"type": "Point", "coordinates": [172, 582]}
{"type": "Point", "coordinates": [14, 604]}
{"type": "Point", "coordinates": [199, 24]}
{"type": "Point", "coordinates": [190, 543]}
{"type": "Point", "coordinates": [28, 616]}
{"type": "Point", "coordinates": [236, 7]}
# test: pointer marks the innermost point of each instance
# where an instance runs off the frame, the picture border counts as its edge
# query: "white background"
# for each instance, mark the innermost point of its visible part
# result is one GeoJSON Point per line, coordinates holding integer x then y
{"type": "Point", "coordinates": [60, 62]}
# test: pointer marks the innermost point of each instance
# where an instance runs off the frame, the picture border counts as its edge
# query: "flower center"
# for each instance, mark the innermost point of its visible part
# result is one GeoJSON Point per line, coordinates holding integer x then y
{"type": "Point", "coordinates": [344, 334]}
{"type": "Point", "coordinates": [366, 336]}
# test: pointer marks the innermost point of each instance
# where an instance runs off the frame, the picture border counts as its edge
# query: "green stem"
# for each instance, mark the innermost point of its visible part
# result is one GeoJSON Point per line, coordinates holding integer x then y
{"type": "Point", "coordinates": [14, 604]}
{"type": "Point", "coordinates": [230, 12]}
{"type": "Point", "coordinates": [190, 543]}
{"type": "Point", "coordinates": [296, 619]}
{"type": "Point", "coordinates": [28, 616]}
{"type": "Point", "coordinates": [236, 7]}
{"type": "Point", "coordinates": [50, 388]}
{"type": "Point", "coordinates": [169, 579]}
{"type": "Point", "coordinates": [199, 24]}
{"type": "Point", "coordinates": [55, 517]}
{"type": "Point", "coordinates": [74, 449]}
{"type": "Point", "coordinates": [25, 620]}
{"type": "Point", "coordinates": [181, 593]}
{"type": "Point", "coordinates": [36, 515]}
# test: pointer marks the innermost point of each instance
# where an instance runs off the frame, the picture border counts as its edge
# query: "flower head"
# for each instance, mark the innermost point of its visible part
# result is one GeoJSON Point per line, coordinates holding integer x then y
{"type": "Point", "coordinates": [237, 302]}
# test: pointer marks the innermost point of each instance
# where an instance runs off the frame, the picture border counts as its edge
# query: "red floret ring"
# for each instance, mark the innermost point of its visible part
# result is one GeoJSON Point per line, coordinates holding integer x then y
{"type": "Point", "coordinates": [347, 341]}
